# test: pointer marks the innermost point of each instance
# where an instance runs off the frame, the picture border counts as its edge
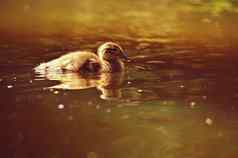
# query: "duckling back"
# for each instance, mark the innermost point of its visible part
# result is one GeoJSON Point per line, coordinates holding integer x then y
{"type": "Point", "coordinates": [75, 62]}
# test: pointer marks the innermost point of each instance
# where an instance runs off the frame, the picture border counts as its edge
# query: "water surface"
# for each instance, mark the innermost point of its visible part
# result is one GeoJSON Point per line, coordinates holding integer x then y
{"type": "Point", "coordinates": [178, 98]}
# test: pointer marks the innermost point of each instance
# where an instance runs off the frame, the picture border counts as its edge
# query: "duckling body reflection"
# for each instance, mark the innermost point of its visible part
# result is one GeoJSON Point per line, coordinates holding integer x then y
{"type": "Point", "coordinates": [105, 70]}
{"type": "Point", "coordinates": [108, 59]}
{"type": "Point", "coordinates": [109, 84]}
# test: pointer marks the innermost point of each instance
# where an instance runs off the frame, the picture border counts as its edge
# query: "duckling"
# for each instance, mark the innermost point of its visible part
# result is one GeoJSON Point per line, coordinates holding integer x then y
{"type": "Point", "coordinates": [108, 59]}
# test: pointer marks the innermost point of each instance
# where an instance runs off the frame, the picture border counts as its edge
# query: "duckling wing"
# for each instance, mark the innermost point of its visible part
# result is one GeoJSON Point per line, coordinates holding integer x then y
{"type": "Point", "coordinates": [91, 65]}
{"type": "Point", "coordinates": [72, 62]}
{"type": "Point", "coordinates": [81, 61]}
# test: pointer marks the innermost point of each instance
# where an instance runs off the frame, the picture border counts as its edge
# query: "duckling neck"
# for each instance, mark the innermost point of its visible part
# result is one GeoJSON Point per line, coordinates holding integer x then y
{"type": "Point", "coordinates": [112, 66]}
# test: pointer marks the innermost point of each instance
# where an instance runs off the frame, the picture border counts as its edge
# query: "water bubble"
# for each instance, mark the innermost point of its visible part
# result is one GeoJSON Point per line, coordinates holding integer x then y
{"type": "Point", "coordinates": [108, 110]}
{"type": "Point", "coordinates": [10, 86]}
{"type": "Point", "coordinates": [90, 103]}
{"type": "Point", "coordinates": [61, 106]}
{"type": "Point", "coordinates": [56, 92]}
{"type": "Point", "coordinates": [181, 86]}
{"type": "Point", "coordinates": [192, 104]}
{"type": "Point", "coordinates": [165, 102]}
{"type": "Point", "coordinates": [209, 121]}
{"type": "Point", "coordinates": [139, 90]}
{"type": "Point", "coordinates": [204, 97]}
{"type": "Point", "coordinates": [64, 93]}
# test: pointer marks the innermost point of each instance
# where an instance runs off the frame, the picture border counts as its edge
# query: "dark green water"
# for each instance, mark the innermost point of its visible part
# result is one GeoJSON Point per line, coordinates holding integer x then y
{"type": "Point", "coordinates": [178, 97]}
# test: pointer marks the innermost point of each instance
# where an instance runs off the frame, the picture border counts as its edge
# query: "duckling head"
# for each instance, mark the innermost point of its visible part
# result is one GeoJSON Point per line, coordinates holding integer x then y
{"type": "Point", "coordinates": [111, 52]}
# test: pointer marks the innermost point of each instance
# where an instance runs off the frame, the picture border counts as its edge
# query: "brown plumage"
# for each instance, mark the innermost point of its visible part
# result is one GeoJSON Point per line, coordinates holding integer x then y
{"type": "Point", "coordinates": [108, 59]}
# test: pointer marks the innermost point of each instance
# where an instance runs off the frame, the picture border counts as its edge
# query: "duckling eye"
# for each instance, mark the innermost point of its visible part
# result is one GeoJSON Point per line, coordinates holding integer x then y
{"type": "Point", "coordinates": [111, 50]}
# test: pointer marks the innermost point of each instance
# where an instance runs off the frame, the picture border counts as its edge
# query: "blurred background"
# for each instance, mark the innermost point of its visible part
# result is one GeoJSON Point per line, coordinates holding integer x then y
{"type": "Point", "coordinates": [183, 19]}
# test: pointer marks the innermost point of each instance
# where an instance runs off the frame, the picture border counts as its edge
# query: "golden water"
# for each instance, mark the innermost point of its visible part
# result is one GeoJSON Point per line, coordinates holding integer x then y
{"type": "Point", "coordinates": [178, 99]}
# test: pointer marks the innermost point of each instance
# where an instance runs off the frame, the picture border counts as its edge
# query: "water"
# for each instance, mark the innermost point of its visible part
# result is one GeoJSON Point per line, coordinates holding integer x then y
{"type": "Point", "coordinates": [177, 98]}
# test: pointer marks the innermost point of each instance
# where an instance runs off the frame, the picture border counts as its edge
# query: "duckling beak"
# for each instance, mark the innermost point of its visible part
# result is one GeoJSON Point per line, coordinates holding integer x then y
{"type": "Point", "coordinates": [125, 56]}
